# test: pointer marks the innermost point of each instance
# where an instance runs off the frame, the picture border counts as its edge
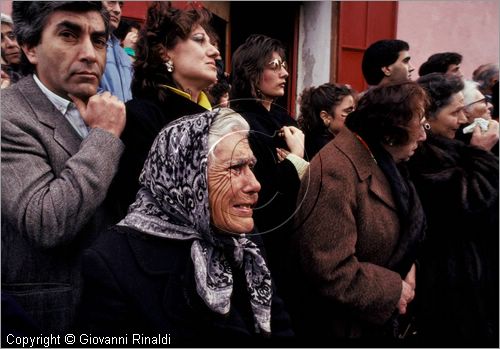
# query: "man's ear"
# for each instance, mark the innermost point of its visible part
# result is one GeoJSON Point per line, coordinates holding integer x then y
{"type": "Point", "coordinates": [386, 71]}
{"type": "Point", "coordinates": [31, 53]}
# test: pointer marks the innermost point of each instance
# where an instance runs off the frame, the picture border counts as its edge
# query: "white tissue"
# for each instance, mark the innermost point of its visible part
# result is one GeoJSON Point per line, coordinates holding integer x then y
{"type": "Point", "coordinates": [483, 124]}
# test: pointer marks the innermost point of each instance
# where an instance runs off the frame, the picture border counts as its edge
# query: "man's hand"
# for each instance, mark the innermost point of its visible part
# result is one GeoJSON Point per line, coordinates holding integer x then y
{"type": "Point", "coordinates": [102, 111]}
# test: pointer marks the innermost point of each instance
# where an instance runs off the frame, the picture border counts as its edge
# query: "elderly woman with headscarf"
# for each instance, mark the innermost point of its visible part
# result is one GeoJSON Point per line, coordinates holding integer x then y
{"type": "Point", "coordinates": [184, 262]}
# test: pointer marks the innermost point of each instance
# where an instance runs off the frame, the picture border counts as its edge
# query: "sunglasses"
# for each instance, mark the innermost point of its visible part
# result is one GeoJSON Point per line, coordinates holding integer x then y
{"type": "Point", "coordinates": [276, 65]}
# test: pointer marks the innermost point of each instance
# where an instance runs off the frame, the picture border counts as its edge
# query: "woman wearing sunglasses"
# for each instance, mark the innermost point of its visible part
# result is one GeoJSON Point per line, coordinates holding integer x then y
{"type": "Point", "coordinates": [457, 293]}
{"type": "Point", "coordinates": [259, 77]}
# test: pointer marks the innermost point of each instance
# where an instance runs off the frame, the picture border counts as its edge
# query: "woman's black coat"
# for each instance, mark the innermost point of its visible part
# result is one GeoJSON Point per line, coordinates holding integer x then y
{"type": "Point", "coordinates": [138, 283]}
{"type": "Point", "coordinates": [457, 282]}
{"type": "Point", "coordinates": [279, 180]}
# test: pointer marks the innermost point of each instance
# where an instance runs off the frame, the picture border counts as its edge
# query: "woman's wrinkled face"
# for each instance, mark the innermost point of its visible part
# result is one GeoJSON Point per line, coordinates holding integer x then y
{"type": "Point", "coordinates": [416, 133]}
{"type": "Point", "coordinates": [194, 60]}
{"type": "Point", "coordinates": [232, 186]}
{"type": "Point", "coordinates": [273, 79]}
{"type": "Point", "coordinates": [479, 108]}
{"type": "Point", "coordinates": [449, 118]}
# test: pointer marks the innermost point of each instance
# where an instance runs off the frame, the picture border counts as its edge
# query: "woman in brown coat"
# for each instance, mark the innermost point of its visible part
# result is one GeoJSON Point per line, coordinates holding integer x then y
{"type": "Point", "coordinates": [360, 223]}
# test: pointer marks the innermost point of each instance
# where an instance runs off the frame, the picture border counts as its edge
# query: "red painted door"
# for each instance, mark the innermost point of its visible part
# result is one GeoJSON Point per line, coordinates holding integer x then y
{"type": "Point", "coordinates": [360, 24]}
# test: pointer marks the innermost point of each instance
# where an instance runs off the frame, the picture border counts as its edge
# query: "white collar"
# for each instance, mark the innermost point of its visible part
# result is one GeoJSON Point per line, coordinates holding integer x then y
{"type": "Point", "coordinates": [60, 103]}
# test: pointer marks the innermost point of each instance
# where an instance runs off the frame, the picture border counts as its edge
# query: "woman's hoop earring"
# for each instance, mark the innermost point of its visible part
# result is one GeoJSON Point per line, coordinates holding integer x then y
{"type": "Point", "coordinates": [427, 126]}
{"type": "Point", "coordinates": [170, 65]}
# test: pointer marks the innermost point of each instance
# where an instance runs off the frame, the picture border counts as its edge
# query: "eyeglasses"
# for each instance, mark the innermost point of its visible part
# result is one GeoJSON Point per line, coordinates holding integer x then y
{"type": "Point", "coordinates": [276, 65]}
{"type": "Point", "coordinates": [484, 100]}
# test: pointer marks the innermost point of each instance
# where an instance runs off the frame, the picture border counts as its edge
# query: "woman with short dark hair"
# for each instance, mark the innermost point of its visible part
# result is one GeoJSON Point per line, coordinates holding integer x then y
{"type": "Point", "coordinates": [361, 223]}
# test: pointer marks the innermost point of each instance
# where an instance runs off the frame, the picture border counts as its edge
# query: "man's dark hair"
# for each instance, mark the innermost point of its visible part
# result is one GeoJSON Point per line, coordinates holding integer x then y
{"type": "Point", "coordinates": [384, 112]}
{"type": "Point", "coordinates": [30, 18]}
{"type": "Point", "coordinates": [486, 75]}
{"type": "Point", "coordinates": [440, 88]}
{"type": "Point", "coordinates": [381, 54]}
{"type": "Point", "coordinates": [249, 61]}
{"type": "Point", "coordinates": [439, 63]}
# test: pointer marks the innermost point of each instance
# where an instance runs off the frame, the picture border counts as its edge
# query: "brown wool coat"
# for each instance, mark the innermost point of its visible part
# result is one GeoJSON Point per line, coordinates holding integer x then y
{"type": "Point", "coordinates": [349, 229]}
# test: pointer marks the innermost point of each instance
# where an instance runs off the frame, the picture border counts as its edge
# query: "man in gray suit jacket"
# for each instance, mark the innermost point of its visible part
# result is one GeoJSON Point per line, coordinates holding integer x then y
{"type": "Point", "coordinates": [60, 151]}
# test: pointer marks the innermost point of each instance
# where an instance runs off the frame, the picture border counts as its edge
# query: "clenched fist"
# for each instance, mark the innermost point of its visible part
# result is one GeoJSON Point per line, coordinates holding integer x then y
{"type": "Point", "coordinates": [102, 111]}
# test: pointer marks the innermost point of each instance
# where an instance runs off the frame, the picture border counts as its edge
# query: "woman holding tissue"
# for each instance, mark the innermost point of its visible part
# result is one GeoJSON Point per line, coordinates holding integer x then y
{"type": "Point", "coordinates": [477, 110]}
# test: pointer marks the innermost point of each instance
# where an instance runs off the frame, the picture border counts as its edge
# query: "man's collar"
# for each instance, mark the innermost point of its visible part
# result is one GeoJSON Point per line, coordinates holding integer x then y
{"type": "Point", "coordinates": [60, 103]}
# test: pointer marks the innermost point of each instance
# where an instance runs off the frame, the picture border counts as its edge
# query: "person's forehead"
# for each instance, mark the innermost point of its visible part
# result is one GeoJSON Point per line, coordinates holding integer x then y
{"type": "Point", "coordinates": [234, 141]}
{"type": "Point", "coordinates": [6, 27]}
{"type": "Point", "coordinates": [457, 98]}
{"type": "Point", "coordinates": [477, 94]}
{"type": "Point", "coordinates": [91, 17]}
{"type": "Point", "coordinates": [233, 147]}
{"type": "Point", "coordinates": [403, 54]}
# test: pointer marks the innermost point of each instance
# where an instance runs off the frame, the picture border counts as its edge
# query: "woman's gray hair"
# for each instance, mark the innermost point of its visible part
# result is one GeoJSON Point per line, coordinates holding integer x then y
{"type": "Point", "coordinates": [469, 91]}
{"type": "Point", "coordinates": [5, 19]}
{"type": "Point", "coordinates": [225, 122]}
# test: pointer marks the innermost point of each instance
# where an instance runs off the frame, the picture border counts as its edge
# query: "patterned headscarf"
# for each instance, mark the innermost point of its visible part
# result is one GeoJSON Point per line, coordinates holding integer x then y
{"type": "Point", "coordinates": [173, 203]}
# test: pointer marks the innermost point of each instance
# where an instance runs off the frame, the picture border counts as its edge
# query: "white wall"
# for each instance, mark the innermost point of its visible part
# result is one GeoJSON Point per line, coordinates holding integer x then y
{"type": "Point", "coordinates": [314, 45]}
{"type": "Point", "coordinates": [469, 27]}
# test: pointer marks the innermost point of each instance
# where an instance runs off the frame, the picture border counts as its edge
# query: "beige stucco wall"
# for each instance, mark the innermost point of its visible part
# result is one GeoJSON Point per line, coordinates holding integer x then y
{"type": "Point", "coordinates": [470, 28]}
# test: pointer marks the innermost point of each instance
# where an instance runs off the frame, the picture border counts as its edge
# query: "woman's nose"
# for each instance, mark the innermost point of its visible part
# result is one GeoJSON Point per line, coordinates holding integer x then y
{"type": "Point", "coordinates": [252, 185]}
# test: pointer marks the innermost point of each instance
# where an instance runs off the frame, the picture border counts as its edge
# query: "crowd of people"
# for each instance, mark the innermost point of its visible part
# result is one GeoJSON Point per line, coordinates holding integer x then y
{"type": "Point", "coordinates": [146, 190]}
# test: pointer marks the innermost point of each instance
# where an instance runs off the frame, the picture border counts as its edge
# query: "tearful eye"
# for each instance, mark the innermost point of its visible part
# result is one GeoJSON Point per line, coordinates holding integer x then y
{"type": "Point", "coordinates": [235, 170]}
